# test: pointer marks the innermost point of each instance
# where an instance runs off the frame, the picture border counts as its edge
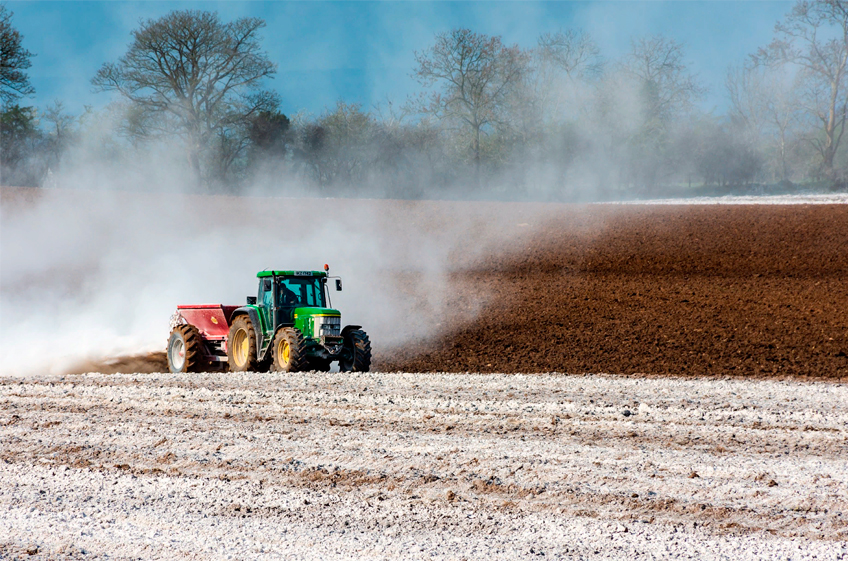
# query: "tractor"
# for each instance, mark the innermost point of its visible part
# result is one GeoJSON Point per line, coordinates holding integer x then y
{"type": "Point", "coordinates": [288, 326]}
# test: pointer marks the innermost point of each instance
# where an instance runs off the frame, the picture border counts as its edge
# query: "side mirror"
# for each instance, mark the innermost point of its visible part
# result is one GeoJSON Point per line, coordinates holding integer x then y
{"type": "Point", "coordinates": [339, 285]}
{"type": "Point", "coordinates": [251, 300]}
{"type": "Point", "coordinates": [266, 285]}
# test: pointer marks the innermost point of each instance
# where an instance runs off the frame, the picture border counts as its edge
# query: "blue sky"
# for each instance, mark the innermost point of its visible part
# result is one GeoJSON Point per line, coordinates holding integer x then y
{"type": "Point", "coordinates": [363, 51]}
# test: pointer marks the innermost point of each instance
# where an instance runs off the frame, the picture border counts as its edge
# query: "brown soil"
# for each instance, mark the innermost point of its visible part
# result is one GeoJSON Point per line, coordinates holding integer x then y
{"type": "Point", "coordinates": [661, 290]}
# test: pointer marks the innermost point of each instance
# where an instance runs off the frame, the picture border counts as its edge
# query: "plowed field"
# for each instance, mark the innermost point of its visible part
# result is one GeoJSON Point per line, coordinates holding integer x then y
{"type": "Point", "coordinates": [719, 290]}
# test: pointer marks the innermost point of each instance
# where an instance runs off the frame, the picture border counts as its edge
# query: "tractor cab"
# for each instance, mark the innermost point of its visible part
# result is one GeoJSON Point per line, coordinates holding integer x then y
{"type": "Point", "coordinates": [281, 292]}
{"type": "Point", "coordinates": [298, 299]}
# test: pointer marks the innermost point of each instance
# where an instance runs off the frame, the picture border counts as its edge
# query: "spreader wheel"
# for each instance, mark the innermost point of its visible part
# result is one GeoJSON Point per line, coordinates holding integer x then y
{"type": "Point", "coordinates": [356, 354]}
{"type": "Point", "coordinates": [185, 349]}
{"type": "Point", "coordinates": [289, 351]}
{"type": "Point", "coordinates": [241, 346]}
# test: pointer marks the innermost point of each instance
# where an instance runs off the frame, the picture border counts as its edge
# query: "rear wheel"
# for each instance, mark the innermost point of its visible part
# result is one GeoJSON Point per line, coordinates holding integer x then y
{"type": "Point", "coordinates": [241, 346]}
{"type": "Point", "coordinates": [185, 349]}
{"type": "Point", "coordinates": [356, 355]}
{"type": "Point", "coordinates": [289, 351]}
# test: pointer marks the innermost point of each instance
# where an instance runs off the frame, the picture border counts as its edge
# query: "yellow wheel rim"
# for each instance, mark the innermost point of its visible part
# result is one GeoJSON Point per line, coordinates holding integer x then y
{"type": "Point", "coordinates": [284, 352]}
{"type": "Point", "coordinates": [241, 347]}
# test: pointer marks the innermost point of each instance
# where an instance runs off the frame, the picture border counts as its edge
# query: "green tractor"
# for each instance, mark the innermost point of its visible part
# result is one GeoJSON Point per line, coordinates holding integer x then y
{"type": "Point", "coordinates": [288, 326]}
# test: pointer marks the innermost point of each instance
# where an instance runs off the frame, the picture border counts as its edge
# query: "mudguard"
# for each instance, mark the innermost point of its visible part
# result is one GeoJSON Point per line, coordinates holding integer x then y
{"type": "Point", "coordinates": [350, 328]}
{"type": "Point", "coordinates": [258, 322]}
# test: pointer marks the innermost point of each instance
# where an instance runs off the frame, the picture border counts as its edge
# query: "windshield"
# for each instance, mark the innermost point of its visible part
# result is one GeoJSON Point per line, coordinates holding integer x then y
{"type": "Point", "coordinates": [301, 291]}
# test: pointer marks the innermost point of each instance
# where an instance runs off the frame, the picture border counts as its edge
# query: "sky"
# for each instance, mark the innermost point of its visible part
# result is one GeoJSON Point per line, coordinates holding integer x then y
{"type": "Point", "coordinates": [363, 52]}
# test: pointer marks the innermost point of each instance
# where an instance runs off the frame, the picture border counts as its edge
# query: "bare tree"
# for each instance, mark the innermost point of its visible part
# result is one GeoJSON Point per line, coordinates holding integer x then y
{"type": "Point", "coordinates": [14, 59]}
{"type": "Point", "coordinates": [474, 74]}
{"type": "Point", "coordinates": [59, 132]}
{"type": "Point", "coordinates": [666, 85]}
{"type": "Point", "coordinates": [746, 90]}
{"type": "Point", "coordinates": [764, 101]}
{"type": "Point", "coordinates": [60, 122]}
{"type": "Point", "coordinates": [561, 66]}
{"type": "Point", "coordinates": [573, 52]}
{"type": "Point", "coordinates": [814, 38]}
{"type": "Point", "coordinates": [640, 106]}
{"type": "Point", "coordinates": [191, 74]}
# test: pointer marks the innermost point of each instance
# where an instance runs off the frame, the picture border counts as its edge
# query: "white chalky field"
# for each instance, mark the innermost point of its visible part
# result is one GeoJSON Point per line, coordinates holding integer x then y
{"type": "Point", "coordinates": [408, 466]}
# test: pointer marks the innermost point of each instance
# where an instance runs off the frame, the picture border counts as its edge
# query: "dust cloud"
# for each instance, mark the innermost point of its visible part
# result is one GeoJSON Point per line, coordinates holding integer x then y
{"type": "Point", "coordinates": [90, 274]}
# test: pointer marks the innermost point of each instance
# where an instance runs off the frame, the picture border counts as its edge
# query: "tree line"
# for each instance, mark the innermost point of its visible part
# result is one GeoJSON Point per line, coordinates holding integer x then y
{"type": "Point", "coordinates": [556, 119]}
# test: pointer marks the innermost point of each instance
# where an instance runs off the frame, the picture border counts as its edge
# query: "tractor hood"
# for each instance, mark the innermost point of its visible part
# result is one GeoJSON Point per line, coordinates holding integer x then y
{"type": "Point", "coordinates": [300, 313]}
{"type": "Point", "coordinates": [319, 324]}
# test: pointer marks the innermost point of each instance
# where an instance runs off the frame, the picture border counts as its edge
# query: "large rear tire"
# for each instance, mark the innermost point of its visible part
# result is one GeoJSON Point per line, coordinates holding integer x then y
{"type": "Point", "coordinates": [289, 351]}
{"type": "Point", "coordinates": [356, 355]}
{"type": "Point", "coordinates": [185, 349]}
{"type": "Point", "coordinates": [241, 346]}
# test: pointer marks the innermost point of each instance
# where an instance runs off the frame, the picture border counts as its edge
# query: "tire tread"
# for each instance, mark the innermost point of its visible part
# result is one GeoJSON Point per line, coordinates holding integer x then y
{"type": "Point", "coordinates": [299, 361]}
{"type": "Point", "coordinates": [194, 355]}
{"type": "Point", "coordinates": [252, 364]}
{"type": "Point", "coordinates": [361, 362]}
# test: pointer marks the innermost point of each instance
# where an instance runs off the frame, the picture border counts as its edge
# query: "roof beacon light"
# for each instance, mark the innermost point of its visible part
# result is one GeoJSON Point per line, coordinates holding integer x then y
{"type": "Point", "coordinates": [326, 267]}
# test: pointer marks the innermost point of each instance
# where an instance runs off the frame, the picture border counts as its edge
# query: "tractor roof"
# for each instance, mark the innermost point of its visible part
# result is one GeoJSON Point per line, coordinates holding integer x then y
{"type": "Point", "coordinates": [261, 274]}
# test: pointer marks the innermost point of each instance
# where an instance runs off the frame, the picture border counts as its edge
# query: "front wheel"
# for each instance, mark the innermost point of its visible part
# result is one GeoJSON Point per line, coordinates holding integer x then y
{"type": "Point", "coordinates": [289, 350]}
{"type": "Point", "coordinates": [356, 353]}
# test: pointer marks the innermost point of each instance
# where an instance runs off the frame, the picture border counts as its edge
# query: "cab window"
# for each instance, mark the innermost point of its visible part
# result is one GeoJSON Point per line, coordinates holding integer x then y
{"type": "Point", "coordinates": [266, 295]}
{"type": "Point", "coordinates": [301, 291]}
